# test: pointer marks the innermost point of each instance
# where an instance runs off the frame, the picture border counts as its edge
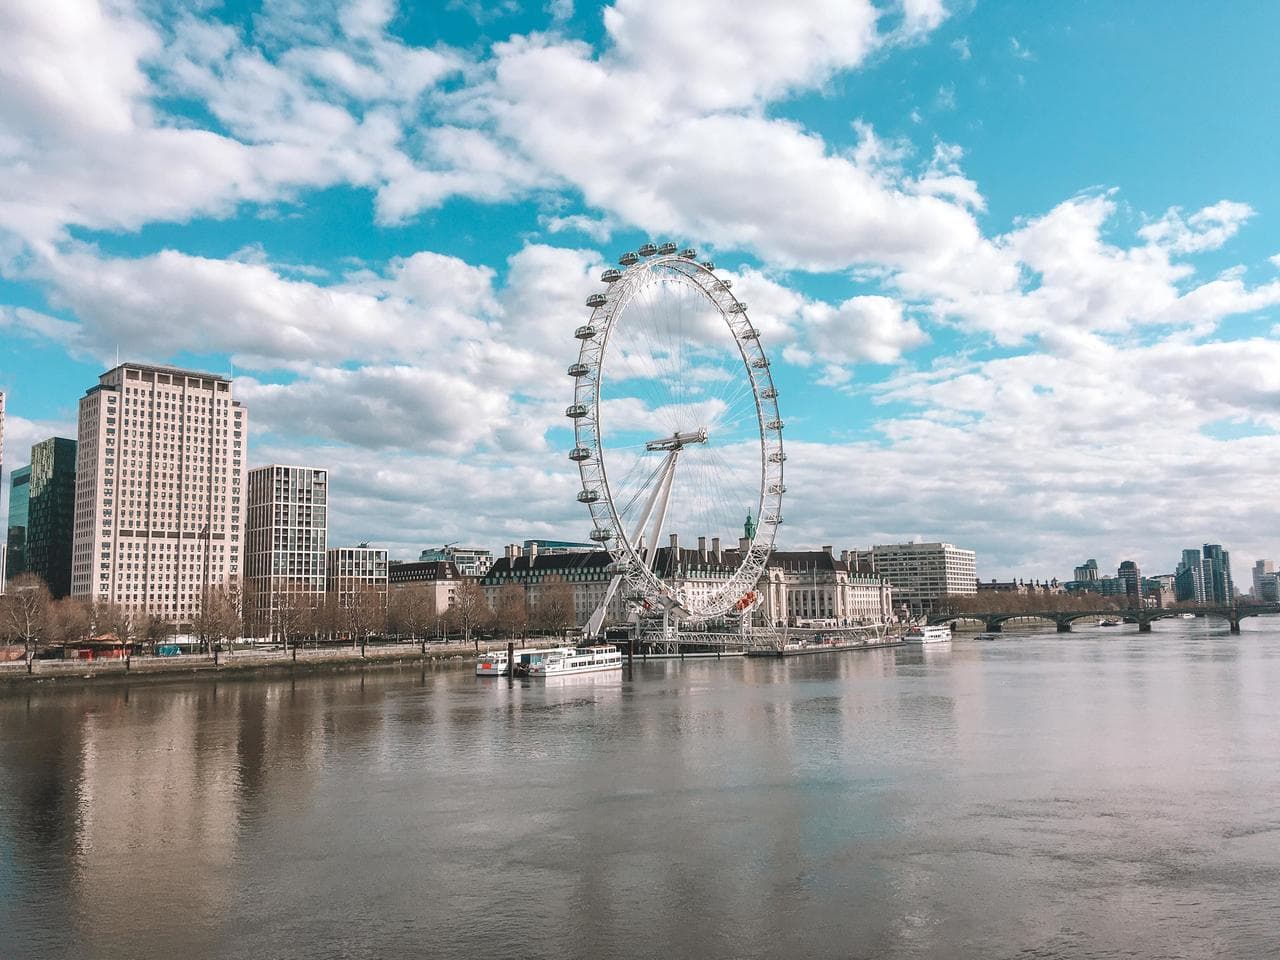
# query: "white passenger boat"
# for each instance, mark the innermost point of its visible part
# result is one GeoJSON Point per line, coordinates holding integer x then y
{"type": "Point", "coordinates": [578, 660]}
{"type": "Point", "coordinates": [939, 633]}
{"type": "Point", "coordinates": [494, 663]}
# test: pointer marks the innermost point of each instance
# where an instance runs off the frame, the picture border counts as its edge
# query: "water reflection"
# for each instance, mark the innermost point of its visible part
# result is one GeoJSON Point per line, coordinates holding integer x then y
{"type": "Point", "coordinates": [1056, 795]}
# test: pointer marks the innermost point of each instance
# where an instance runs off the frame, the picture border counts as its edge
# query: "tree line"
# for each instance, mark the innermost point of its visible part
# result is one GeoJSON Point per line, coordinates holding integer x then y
{"type": "Point", "coordinates": [32, 618]}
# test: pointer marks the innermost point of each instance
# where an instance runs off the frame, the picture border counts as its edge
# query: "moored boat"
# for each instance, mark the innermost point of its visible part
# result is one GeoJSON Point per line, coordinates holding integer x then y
{"type": "Point", "coordinates": [575, 660]}
{"type": "Point", "coordinates": [938, 633]}
{"type": "Point", "coordinates": [494, 663]}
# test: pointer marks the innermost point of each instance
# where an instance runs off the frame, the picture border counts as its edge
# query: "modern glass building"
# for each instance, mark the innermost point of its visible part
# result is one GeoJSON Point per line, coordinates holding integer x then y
{"type": "Point", "coordinates": [19, 518]}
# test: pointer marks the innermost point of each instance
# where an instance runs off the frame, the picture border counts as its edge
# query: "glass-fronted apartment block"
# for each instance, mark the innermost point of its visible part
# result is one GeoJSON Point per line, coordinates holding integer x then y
{"type": "Point", "coordinates": [15, 561]}
{"type": "Point", "coordinates": [286, 543]}
{"type": "Point", "coordinates": [159, 490]}
{"type": "Point", "coordinates": [51, 509]}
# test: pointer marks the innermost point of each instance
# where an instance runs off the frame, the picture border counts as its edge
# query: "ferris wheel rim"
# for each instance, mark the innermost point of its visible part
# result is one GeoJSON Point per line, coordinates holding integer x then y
{"type": "Point", "coordinates": [608, 310]}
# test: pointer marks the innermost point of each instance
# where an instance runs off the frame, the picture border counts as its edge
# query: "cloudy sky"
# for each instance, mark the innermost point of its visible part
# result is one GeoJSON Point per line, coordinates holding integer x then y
{"type": "Point", "coordinates": [1018, 265]}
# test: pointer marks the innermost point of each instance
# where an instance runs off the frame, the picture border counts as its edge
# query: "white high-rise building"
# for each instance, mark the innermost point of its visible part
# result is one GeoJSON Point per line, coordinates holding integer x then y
{"type": "Point", "coordinates": [286, 537]}
{"type": "Point", "coordinates": [921, 574]}
{"type": "Point", "coordinates": [159, 490]}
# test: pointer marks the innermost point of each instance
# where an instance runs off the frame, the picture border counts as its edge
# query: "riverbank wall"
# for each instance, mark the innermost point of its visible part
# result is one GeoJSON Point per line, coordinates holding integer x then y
{"type": "Point", "coordinates": [246, 662]}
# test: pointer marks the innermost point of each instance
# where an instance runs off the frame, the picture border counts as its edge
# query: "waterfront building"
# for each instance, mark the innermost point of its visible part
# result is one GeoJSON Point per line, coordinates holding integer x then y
{"type": "Point", "coordinates": [441, 577]}
{"type": "Point", "coordinates": [1264, 582]}
{"type": "Point", "coordinates": [354, 571]}
{"type": "Point", "coordinates": [812, 586]}
{"type": "Point", "coordinates": [286, 543]}
{"type": "Point", "coordinates": [51, 503]}
{"type": "Point", "coordinates": [159, 490]}
{"type": "Point", "coordinates": [1131, 578]}
{"type": "Point", "coordinates": [1189, 577]}
{"type": "Point", "coordinates": [470, 561]}
{"type": "Point", "coordinates": [1087, 572]}
{"type": "Point", "coordinates": [922, 575]}
{"type": "Point", "coordinates": [586, 574]}
{"type": "Point", "coordinates": [1218, 585]}
{"type": "Point", "coordinates": [16, 546]}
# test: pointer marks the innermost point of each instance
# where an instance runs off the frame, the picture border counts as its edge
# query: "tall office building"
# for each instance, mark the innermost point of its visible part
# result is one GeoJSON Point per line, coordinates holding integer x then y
{"type": "Point", "coordinates": [15, 551]}
{"type": "Point", "coordinates": [922, 574]}
{"type": "Point", "coordinates": [51, 503]}
{"type": "Point", "coordinates": [1264, 581]}
{"type": "Point", "coordinates": [1131, 578]}
{"type": "Point", "coordinates": [286, 537]}
{"type": "Point", "coordinates": [1188, 578]}
{"type": "Point", "coordinates": [159, 490]}
{"type": "Point", "coordinates": [1218, 586]}
{"type": "Point", "coordinates": [1087, 572]}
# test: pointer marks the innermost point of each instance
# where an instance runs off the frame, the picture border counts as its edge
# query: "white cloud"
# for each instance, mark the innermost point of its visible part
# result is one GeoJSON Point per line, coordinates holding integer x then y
{"type": "Point", "coordinates": [961, 47]}
{"type": "Point", "coordinates": [1206, 229]}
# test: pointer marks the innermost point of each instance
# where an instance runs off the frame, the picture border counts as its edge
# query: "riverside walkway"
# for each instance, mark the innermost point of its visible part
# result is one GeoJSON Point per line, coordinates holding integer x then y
{"type": "Point", "coordinates": [244, 659]}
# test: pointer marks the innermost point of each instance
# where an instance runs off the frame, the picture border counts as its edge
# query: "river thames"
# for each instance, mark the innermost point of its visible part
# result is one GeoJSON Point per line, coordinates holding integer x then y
{"type": "Point", "coordinates": [1098, 794]}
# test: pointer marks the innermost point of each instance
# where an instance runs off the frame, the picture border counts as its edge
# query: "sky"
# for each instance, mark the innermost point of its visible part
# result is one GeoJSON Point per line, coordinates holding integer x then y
{"type": "Point", "coordinates": [1017, 266]}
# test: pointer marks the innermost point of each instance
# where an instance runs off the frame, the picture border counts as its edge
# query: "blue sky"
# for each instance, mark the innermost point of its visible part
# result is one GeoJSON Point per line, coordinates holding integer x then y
{"type": "Point", "coordinates": [1015, 263]}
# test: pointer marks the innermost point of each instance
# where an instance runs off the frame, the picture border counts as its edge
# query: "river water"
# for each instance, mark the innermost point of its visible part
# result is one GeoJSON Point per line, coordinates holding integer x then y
{"type": "Point", "coordinates": [1103, 794]}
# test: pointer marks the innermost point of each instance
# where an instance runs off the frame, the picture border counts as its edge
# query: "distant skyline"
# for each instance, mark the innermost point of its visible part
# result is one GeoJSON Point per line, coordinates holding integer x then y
{"type": "Point", "coordinates": [1017, 265]}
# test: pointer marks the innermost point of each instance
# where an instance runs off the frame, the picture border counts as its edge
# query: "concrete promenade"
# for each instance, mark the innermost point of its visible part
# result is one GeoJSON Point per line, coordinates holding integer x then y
{"type": "Point", "coordinates": [244, 661]}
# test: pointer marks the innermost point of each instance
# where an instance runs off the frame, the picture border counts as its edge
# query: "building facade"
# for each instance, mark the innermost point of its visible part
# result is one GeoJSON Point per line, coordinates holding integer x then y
{"type": "Point", "coordinates": [439, 577]}
{"type": "Point", "coordinates": [353, 571]}
{"type": "Point", "coordinates": [922, 575]}
{"type": "Point", "coordinates": [51, 502]}
{"type": "Point", "coordinates": [1087, 572]}
{"type": "Point", "coordinates": [1204, 576]}
{"type": "Point", "coordinates": [1264, 582]}
{"type": "Point", "coordinates": [286, 542]}
{"type": "Point", "coordinates": [587, 574]}
{"type": "Point", "coordinates": [470, 561]}
{"type": "Point", "coordinates": [811, 587]}
{"type": "Point", "coordinates": [1131, 577]}
{"type": "Point", "coordinates": [159, 490]}
{"type": "Point", "coordinates": [15, 561]}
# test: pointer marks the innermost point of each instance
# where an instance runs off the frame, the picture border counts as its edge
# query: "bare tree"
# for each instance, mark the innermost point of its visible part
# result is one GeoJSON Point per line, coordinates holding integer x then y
{"type": "Point", "coordinates": [152, 630]}
{"type": "Point", "coordinates": [70, 620]}
{"type": "Point", "coordinates": [411, 610]}
{"type": "Point", "coordinates": [512, 614]}
{"type": "Point", "coordinates": [294, 617]}
{"type": "Point", "coordinates": [220, 617]}
{"type": "Point", "coordinates": [555, 609]}
{"type": "Point", "coordinates": [365, 613]}
{"type": "Point", "coordinates": [24, 613]}
{"type": "Point", "coordinates": [469, 609]}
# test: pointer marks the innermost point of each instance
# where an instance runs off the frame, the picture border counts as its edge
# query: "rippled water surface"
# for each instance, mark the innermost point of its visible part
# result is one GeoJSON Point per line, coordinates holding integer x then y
{"type": "Point", "coordinates": [1104, 794]}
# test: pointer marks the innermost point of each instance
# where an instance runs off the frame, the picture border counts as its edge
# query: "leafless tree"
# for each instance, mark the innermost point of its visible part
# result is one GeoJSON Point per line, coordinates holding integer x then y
{"type": "Point", "coordinates": [512, 614]}
{"type": "Point", "coordinates": [555, 608]}
{"type": "Point", "coordinates": [365, 613]}
{"type": "Point", "coordinates": [153, 630]}
{"type": "Point", "coordinates": [70, 620]}
{"type": "Point", "coordinates": [469, 609]}
{"type": "Point", "coordinates": [411, 610]}
{"type": "Point", "coordinates": [294, 617]}
{"type": "Point", "coordinates": [24, 613]}
{"type": "Point", "coordinates": [220, 615]}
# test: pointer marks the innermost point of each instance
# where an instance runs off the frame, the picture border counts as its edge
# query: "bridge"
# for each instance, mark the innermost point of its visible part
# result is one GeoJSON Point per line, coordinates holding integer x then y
{"type": "Point", "coordinates": [1142, 617]}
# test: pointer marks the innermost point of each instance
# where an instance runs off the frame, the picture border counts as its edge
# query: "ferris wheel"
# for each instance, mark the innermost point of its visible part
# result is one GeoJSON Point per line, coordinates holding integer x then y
{"type": "Point", "coordinates": [677, 438]}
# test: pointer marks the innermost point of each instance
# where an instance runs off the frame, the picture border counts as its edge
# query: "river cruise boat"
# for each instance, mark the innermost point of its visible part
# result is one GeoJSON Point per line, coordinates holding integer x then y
{"type": "Point", "coordinates": [575, 660]}
{"type": "Point", "coordinates": [939, 633]}
{"type": "Point", "coordinates": [494, 663]}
